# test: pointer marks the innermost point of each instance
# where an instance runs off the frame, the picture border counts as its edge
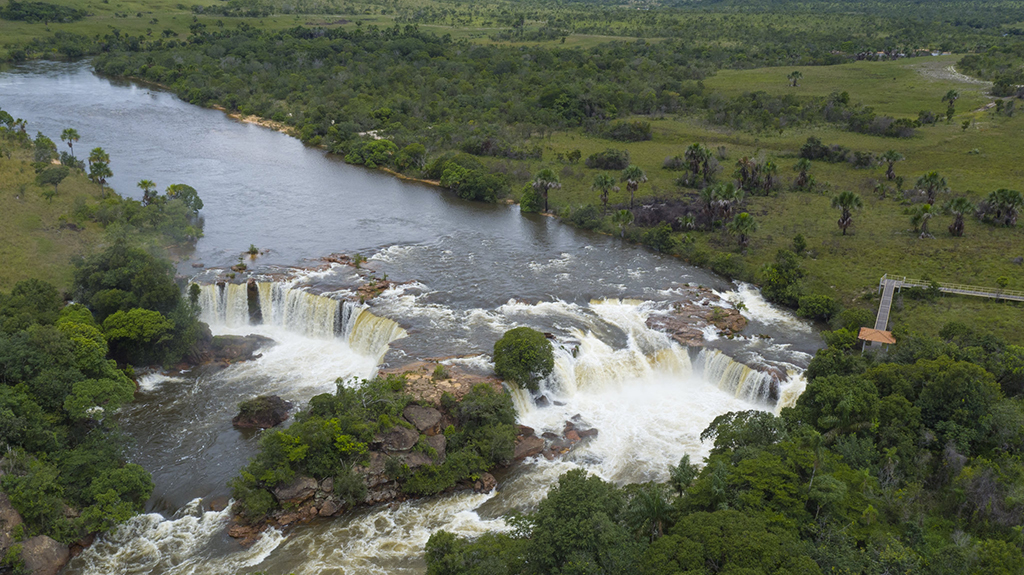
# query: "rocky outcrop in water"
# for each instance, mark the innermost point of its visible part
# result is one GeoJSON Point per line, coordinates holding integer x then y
{"type": "Point", "coordinates": [262, 412]}
{"type": "Point", "coordinates": [698, 309]}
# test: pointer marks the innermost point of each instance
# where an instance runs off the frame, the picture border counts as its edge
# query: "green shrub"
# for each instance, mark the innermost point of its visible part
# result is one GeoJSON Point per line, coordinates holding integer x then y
{"type": "Point", "coordinates": [610, 159]}
{"type": "Point", "coordinates": [819, 307]}
{"type": "Point", "coordinates": [523, 356]}
{"type": "Point", "coordinates": [530, 202]}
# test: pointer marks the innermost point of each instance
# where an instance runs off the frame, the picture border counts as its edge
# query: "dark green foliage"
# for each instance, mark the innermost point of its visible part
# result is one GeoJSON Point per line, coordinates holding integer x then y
{"type": "Point", "coordinates": [610, 159]}
{"type": "Point", "coordinates": [57, 391]}
{"type": "Point", "coordinates": [780, 280]}
{"type": "Point", "coordinates": [531, 201]}
{"type": "Point", "coordinates": [523, 356]}
{"type": "Point", "coordinates": [629, 131]}
{"type": "Point", "coordinates": [819, 307]}
{"type": "Point", "coordinates": [40, 12]}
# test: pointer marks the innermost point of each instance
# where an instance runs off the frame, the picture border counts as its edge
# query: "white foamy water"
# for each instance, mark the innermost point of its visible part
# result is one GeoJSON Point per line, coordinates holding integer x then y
{"type": "Point", "coordinates": [185, 544]}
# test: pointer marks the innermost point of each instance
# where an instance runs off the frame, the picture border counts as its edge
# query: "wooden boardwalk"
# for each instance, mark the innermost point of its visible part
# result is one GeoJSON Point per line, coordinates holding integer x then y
{"type": "Point", "coordinates": [890, 285]}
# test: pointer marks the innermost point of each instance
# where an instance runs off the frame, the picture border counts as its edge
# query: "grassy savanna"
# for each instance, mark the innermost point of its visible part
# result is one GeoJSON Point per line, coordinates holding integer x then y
{"type": "Point", "coordinates": [975, 161]}
{"type": "Point", "coordinates": [33, 242]}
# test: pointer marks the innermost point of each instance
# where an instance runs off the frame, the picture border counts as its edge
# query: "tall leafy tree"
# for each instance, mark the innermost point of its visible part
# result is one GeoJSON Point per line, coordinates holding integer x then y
{"type": "Point", "coordinates": [958, 207]}
{"type": "Point", "coordinates": [951, 97]}
{"type": "Point", "coordinates": [604, 183]}
{"type": "Point", "coordinates": [1007, 204]}
{"type": "Point", "coordinates": [802, 168]}
{"type": "Point", "coordinates": [920, 217]}
{"type": "Point", "coordinates": [743, 225]}
{"type": "Point", "coordinates": [846, 202]}
{"type": "Point", "coordinates": [794, 78]}
{"type": "Point", "coordinates": [890, 158]}
{"type": "Point", "coordinates": [633, 176]}
{"type": "Point", "coordinates": [70, 135]}
{"type": "Point", "coordinates": [148, 191]}
{"type": "Point", "coordinates": [544, 181]}
{"type": "Point", "coordinates": [622, 218]}
{"type": "Point", "coordinates": [932, 184]}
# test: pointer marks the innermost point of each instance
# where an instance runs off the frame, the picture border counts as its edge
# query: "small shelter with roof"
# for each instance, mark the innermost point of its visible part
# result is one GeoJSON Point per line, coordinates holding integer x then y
{"type": "Point", "coordinates": [875, 336]}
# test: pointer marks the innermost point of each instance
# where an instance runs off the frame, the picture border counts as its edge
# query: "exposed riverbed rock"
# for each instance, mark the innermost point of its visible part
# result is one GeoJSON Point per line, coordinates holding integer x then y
{"type": "Point", "coordinates": [398, 439]}
{"type": "Point", "coordinates": [228, 349]}
{"type": "Point", "coordinates": [298, 491]}
{"type": "Point", "coordinates": [697, 309]}
{"type": "Point", "coordinates": [262, 412]}
{"type": "Point", "coordinates": [425, 419]}
{"type": "Point", "coordinates": [44, 556]}
{"type": "Point", "coordinates": [551, 444]}
{"type": "Point", "coordinates": [424, 387]}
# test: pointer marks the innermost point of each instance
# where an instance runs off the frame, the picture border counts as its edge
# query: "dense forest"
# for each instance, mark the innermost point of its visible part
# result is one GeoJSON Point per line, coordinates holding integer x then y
{"type": "Point", "coordinates": [66, 369]}
{"type": "Point", "coordinates": [908, 462]}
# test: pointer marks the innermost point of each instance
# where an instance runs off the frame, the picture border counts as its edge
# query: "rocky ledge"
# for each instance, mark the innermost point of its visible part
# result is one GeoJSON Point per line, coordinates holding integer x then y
{"type": "Point", "coordinates": [262, 412]}
{"type": "Point", "coordinates": [305, 498]}
{"type": "Point", "coordinates": [699, 308]}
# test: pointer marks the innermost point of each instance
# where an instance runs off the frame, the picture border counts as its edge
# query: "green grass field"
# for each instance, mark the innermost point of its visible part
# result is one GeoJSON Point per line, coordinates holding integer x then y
{"type": "Point", "coordinates": [882, 240]}
{"type": "Point", "coordinates": [33, 243]}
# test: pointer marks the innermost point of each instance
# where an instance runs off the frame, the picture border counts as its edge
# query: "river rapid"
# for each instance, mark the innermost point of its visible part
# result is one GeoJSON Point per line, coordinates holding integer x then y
{"type": "Point", "coordinates": [466, 273]}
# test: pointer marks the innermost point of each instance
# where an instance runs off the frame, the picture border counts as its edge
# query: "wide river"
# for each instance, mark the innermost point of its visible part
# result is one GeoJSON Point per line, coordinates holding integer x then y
{"type": "Point", "coordinates": [467, 273]}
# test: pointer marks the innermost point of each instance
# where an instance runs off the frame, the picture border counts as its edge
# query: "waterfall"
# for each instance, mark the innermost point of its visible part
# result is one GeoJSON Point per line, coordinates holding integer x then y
{"type": "Point", "coordinates": [224, 305]}
{"type": "Point", "coordinates": [734, 377]}
{"type": "Point", "coordinates": [296, 310]}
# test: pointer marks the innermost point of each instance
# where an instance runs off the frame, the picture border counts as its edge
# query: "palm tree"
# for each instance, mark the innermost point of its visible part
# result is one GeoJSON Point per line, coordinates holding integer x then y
{"type": "Point", "coordinates": [697, 155]}
{"type": "Point", "coordinates": [951, 96]}
{"type": "Point", "coordinates": [847, 202]}
{"type": "Point", "coordinates": [70, 135]}
{"type": "Point", "coordinates": [890, 158]}
{"type": "Point", "coordinates": [709, 200]}
{"type": "Point", "coordinates": [99, 172]}
{"type": "Point", "coordinates": [604, 183]}
{"type": "Point", "coordinates": [147, 187]}
{"type": "Point", "coordinates": [633, 176]}
{"type": "Point", "coordinates": [98, 155]}
{"type": "Point", "coordinates": [649, 510]}
{"type": "Point", "coordinates": [802, 166]}
{"type": "Point", "coordinates": [1007, 204]}
{"type": "Point", "coordinates": [746, 172]}
{"type": "Point", "coordinates": [920, 218]}
{"type": "Point", "coordinates": [932, 183]}
{"type": "Point", "coordinates": [727, 197]}
{"type": "Point", "coordinates": [622, 218]}
{"type": "Point", "coordinates": [794, 78]}
{"type": "Point", "coordinates": [958, 207]}
{"type": "Point", "coordinates": [545, 180]}
{"type": "Point", "coordinates": [768, 171]}
{"type": "Point", "coordinates": [743, 225]}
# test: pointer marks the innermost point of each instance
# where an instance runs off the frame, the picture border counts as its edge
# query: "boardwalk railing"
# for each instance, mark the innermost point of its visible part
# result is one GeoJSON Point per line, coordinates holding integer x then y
{"type": "Point", "coordinates": [960, 289]}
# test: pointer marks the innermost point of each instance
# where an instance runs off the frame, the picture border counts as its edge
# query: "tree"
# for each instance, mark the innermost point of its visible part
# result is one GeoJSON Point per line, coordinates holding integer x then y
{"type": "Point", "coordinates": [794, 78]}
{"type": "Point", "coordinates": [98, 155]}
{"type": "Point", "coordinates": [951, 97]}
{"type": "Point", "coordinates": [188, 196]}
{"type": "Point", "coordinates": [727, 197]}
{"type": "Point", "coordinates": [743, 225]}
{"type": "Point", "coordinates": [890, 158]}
{"type": "Point", "coordinates": [802, 167]}
{"type": "Point", "coordinates": [846, 202]}
{"type": "Point", "coordinates": [53, 175]}
{"type": "Point", "coordinates": [649, 511]}
{"type": "Point", "coordinates": [523, 356]}
{"type": "Point", "coordinates": [544, 181]}
{"type": "Point", "coordinates": [147, 187]}
{"type": "Point", "coordinates": [604, 183]}
{"type": "Point", "coordinates": [697, 158]}
{"type": "Point", "coordinates": [958, 207]}
{"type": "Point", "coordinates": [1007, 205]}
{"type": "Point", "coordinates": [681, 476]}
{"type": "Point", "coordinates": [99, 172]}
{"type": "Point", "coordinates": [920, 218]}
{"type": "Point", "coordinates": [932, 184]}
{"type": "Point", "coordinates": [622, 218]}
{"type": "Point", "coordinates": [70, 135]}
{"type": "Point", "coordinates": [633, 176]}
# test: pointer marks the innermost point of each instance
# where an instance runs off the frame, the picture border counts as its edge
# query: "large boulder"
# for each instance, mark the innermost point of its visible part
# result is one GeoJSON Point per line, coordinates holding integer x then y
{"type": "Point", "coordinates": [398, 439]}
{"type": "Point", "coordinates": [9, 519]}
{"type": "Point", "coordinates": [262, 412]}
{"type": "Point", "coordinates": [44, 556]}
{"type": "Point", "coordinates": [425, 419]}
{"type": "Point", "coordinates": [438, 442]}
{"type": "Point", "coordinates": [298, 491]}
{"type": "Point", "coordinates": [527, 446]}
{"type": "Point", "coordinates": [416, 459]}
{"type": "Point", "coordinates": [235, 348]}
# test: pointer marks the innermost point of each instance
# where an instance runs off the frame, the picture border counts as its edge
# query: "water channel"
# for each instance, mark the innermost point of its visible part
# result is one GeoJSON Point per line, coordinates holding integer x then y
{"type": "Point", "coordinates": [466, 271]}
